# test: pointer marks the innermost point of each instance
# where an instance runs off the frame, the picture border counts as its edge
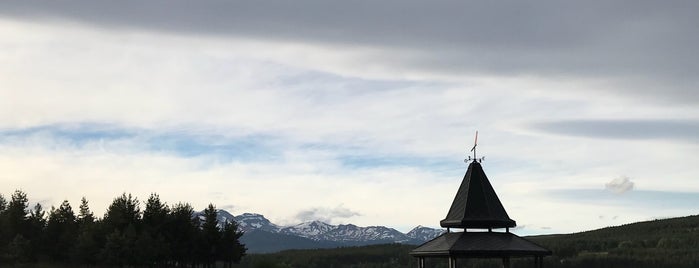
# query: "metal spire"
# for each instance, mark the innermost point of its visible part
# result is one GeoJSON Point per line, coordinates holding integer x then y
{"type": "Point", "coordinates": [475, 143]}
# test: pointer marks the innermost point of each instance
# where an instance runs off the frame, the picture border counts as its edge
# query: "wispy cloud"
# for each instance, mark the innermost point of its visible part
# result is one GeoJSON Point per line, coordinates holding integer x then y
{"type": "Point", "coordinates": [325, 214]}
{"type": "Point", "coordinates": [680, 130]}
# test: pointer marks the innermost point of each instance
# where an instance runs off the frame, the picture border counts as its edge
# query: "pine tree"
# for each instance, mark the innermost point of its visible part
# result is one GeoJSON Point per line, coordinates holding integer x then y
{"type": "Point", "coordinates": [85, 216]}
{"type": "Point", "coordinates": [230, 249]}
{"type": "Point", "coordinates": [87, 243]}
{"type": "Point", "coordinates": [152, 243]}
{"type": "Point", "coordinates": [37, 231]}
{"type": "Point", "coordinates": [211, 235]}
{"type": "Point", "coordinates": [4, 234]}
{"type": "Point", "coordinates": [181, 233]}
{"type": "Point", "coordinates": [123, 212]}
{"type": "Point", "coordinates": [15, 216]}
{"type": "Point", "coordinates": [3, 204]}
{"type": "Point", "coordinates": [62, 230]}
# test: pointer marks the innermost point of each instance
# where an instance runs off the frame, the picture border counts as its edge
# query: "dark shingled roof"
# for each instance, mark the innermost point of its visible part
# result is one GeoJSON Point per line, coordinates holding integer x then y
{"type": "Point", "coordinates": [479, 245]}
{"type": "Point", "coordinates": [476, 205]}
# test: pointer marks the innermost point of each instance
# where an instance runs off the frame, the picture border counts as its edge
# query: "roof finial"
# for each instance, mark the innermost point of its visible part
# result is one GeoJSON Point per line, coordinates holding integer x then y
{"type": "Point", "coordinates": [475, 143]}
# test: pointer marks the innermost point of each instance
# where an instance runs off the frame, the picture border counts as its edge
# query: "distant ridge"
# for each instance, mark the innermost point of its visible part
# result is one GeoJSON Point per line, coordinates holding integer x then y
{"type": "Point", "coordinates": [263, 236]}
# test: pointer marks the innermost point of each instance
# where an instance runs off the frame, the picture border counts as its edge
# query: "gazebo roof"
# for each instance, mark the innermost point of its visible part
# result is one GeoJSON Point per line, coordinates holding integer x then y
{"type": "Point", "coordinates": [479, 245]}
{"type": "Point", "coordinates": [476, 204]}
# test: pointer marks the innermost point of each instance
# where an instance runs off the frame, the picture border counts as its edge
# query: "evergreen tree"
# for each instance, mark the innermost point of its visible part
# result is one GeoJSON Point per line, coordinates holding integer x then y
{"type": "Point", "coordinates": [155, 214]}
{"type": "Point", "coordinates": [14, 222]}
{"type": "Point", "coordinates": [211, 235]}
{"type": "Point", "coordinates": [122, 213]}
{"type": "Point", "coordinates": [85, 216]}
{"type": "Point", "coordinates": [37, 231]}
{"type": "Point", "coordinates": [87, 243]}
{"type": "Point", "coordinates": [153, 244]}
{"type": "Point", "coordinates": [122, 223]}
{"type": "Point", "coordinates": [230, 249]}
{"type": "Point", "coordinates": [181, 234]}
{"type": "Point", "coordinates": [16, 214]}
{"type": "Point", "coordinates": [62, 230]}
{"type": "Point", "coordinates": [4, 235]}
{"type": "Point", "coordinates": [3, 204]}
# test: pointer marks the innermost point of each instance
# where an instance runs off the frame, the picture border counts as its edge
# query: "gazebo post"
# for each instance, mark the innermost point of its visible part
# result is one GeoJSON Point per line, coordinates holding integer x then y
{"type": "Point", "coordinates": [452, 262]}
{"type": "Point", "coordinates": [506, 262]}
{"type": "Point", "coordinates": [421, 262]}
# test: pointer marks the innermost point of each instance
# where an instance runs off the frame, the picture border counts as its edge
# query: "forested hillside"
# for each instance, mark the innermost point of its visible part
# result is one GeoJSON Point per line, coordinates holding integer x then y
{"type": "Point", "coordinates": [659, 243]}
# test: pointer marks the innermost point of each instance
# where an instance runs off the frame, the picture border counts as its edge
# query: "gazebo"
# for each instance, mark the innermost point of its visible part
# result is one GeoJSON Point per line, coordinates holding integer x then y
{"type": "Point", "coordinates": [477, 210]}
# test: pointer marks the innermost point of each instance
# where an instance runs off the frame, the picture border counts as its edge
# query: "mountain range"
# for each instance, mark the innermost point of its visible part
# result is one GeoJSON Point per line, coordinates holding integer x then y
{"type": "Point", "coordinates": [263, 236]}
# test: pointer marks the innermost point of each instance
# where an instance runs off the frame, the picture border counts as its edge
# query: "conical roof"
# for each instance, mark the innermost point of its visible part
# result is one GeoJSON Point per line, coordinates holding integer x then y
{"type": "Point", "coordinates": [476, 204]}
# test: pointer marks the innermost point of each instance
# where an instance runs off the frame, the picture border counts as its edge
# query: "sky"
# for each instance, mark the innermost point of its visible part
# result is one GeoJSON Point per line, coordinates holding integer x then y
{"type": "Point", "coordinates": [355, 111]}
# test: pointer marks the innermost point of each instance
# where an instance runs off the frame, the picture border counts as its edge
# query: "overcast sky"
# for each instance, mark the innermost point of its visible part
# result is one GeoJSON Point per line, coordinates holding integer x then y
{"type": "Point", "coordinates": [355, 111]}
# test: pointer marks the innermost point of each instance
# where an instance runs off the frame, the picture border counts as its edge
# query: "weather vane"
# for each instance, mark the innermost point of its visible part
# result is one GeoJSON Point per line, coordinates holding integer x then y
{"type": "Point", "coordinates": [479, 159]}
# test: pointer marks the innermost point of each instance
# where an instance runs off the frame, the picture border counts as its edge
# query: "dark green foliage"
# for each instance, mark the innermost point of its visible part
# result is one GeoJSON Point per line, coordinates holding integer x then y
{"type": "Point", "coordinates": [126, 237]}
{"type": "Point", "coordinates": [375, 256]}
{"type": "Point", "coordinates": [122, 213]}
{"type": "Point", "coordinates": [231, 250]}
{"type": "Point", "coordinates": [85, 216]}
{"type": "Point", "coordinates": [152, 245]}
{"type": "Point", "coordinates": [18, 250]}
{"type": "Point", "coordinates": [3, 203]}
{"type": "Point", "coordinates": [660, 243]}
{"type": "Point", "coordinates": [61, 231]}
{"type": "Point", "coordinates": [182, 232]}
{"type": "Point", "coordinates": [36, 225]}
{"type": "Point", "coordinates": [15, 216]}
{"type": "Point", "coordinates": [211, 235]}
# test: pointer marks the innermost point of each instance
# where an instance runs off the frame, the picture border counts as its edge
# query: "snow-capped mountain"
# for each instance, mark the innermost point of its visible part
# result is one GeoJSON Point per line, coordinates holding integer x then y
{"type": "Point", "coordinates": [223, 216]}
{"type": "Point", "coordinates": [351, 232]}
{"type": "Point", "coordinates": [252, 221]}
{"type": "Point", "coordinates": [422, 233]}
{"type": "Point", "coordinates": [312, 230]}
{"type": "Point", "coordinates": [321, 233]}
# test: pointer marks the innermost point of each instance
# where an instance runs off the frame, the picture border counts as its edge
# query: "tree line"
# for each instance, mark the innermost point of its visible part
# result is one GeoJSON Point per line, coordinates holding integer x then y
{"type": "Point", "coordinates": [159, 236]}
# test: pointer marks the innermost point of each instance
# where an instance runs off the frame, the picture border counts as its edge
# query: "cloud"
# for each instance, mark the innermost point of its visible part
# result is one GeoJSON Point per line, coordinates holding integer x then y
{"type": "Point", "coordinates": [228, 208]}
{"type": "Point", "coordinates": [634, 129]}
{"type": "Point", "coordinates": [648, 50]}
{"type": "Point", "coordinates": [325, 214]}
{"type": "Point", "coordinates": [619, 185]}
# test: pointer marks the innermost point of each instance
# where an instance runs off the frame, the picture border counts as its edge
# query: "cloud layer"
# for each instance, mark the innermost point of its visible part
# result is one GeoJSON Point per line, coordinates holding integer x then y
{"type": "Point", "coordinates": [241, 103]}
{"type": "Point", "coordinates": [680, 130]}
{"type": "Point", "coordinates": [634, 48]}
